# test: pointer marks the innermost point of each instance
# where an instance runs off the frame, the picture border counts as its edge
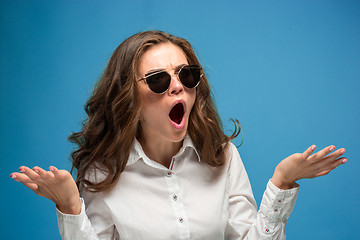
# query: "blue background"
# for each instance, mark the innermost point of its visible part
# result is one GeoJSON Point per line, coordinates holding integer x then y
{"type": "Point", "coordinates": [288, 70]}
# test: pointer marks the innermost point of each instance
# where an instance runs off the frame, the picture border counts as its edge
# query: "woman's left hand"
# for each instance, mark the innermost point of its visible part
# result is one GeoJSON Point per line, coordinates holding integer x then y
{"type": "Point", "coordinates": [305, 165]}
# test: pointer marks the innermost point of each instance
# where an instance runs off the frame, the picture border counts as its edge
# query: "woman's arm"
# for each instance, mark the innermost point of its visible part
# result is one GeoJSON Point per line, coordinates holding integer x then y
{"type": "Point", "coordinates": [56, 185]}
{"type": "Point", "coordinates": [279, 197]}
{"type": "Point", "coordinates": [74, 222]}
{"type": "Point", "coordinates": [305, 165]}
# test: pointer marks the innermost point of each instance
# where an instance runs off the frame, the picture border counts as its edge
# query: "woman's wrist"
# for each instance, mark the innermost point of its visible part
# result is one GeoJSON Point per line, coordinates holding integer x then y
{"type": "Point", "coordinates": [283, 185]}
{"type": "Point", "coordinates": [281, 182]}
{"type": "Point", "coordinates": [73, 208]}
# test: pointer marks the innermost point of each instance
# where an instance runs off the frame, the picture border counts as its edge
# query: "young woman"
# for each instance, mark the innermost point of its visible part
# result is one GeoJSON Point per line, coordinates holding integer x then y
{"type": "Point", "coordinates": [154, 163]}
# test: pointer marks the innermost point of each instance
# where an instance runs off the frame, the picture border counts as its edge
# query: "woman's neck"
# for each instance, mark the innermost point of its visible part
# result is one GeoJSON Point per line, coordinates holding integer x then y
{"type": "Point", "coordinates": [160, 150]}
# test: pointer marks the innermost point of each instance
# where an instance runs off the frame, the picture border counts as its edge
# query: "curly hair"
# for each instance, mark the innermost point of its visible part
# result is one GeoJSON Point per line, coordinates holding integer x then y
{"type": "Point", "coordinates": [113, 115]}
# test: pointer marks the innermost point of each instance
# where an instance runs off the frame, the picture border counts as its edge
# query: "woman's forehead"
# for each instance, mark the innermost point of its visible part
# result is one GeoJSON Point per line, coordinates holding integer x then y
{"type": "Point", "coordinates": [162, 56]}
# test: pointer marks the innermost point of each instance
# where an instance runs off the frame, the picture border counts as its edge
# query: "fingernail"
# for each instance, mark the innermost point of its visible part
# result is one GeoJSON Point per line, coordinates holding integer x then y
{"type": "Point", "coordinates": [36, 170]}
{"type": "Point", "coordinates": [313, 147]}
{"type": "Point", "coordinates": [52, 169]}
{"type": "Point", "coordinates": [14, 177]}
{"type": "Point", "coordinates": [344, 160]}
{"type": "Point", "coordinates": [331, 148]}
{"type": "Point", "coordinates": [22, 170]}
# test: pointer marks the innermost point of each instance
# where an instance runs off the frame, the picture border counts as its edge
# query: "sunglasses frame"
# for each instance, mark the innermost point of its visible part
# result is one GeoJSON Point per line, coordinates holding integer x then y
{"type": "Point", "coordinates": [176, 73]}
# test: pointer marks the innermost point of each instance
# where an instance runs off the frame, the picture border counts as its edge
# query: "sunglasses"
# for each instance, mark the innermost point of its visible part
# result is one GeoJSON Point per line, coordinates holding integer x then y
{"type": "Point", "coordinates": [159, 81]}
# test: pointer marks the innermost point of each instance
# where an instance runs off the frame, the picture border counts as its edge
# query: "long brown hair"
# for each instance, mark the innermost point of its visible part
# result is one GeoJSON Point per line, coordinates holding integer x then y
{"type": "Point", "coordinates": [113, 112]}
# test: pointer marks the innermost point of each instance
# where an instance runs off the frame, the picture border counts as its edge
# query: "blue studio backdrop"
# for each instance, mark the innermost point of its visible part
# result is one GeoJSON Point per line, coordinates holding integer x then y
{"type": "Point", "coordinates": [288, 70]}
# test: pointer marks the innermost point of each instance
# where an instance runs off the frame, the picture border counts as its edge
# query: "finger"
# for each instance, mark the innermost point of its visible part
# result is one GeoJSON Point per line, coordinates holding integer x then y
{"type": "Point", "coordinates": [15, 176]}
{"type": "Point", "coordinates": [321, 154]}
{"type": "Point", "coordinates": [32, 186]}
{"type": "Point", "coordinates": [30, 173]}
{"type": "Point", "coordinates": [54, 170]}
{"type": "Point", "coordinates": [24, 180]}
{"type": "Point", "coordinates": [330, 166]}
{"type": "Point", "coordinates": [60, 174]}
{"type": "Point", "coordinates": [323, 173]}
{"type": "Point", "coordinates": [337, 163]}
{"type": "Point", "coordinates": [309, 151]}
{"type": "Point", "coordinates": [42, 173]}
{"type": "Point", "coordinates": [337, 153]}
{"type": "Point", "coordinates": [331, 157]}
{"type": "Point", "coordinates": [19, 177]}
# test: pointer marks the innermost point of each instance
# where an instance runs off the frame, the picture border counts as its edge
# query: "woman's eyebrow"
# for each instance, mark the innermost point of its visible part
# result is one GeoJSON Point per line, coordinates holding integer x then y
{"type": "Point", "coordinates": [154, 71]}
{"type": "Point", "coordinates": [177, 68]}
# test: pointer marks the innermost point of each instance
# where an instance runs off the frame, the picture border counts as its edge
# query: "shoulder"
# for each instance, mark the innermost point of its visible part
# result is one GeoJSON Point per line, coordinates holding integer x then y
{"type": "Point", "coordinates": [96, 174]}
{"type": "Point", "coordinates": [231, 148]}
{"type": "Point", "coordinates": [231, 152]}
{"type": "Point", "coordinates": [233, 159]}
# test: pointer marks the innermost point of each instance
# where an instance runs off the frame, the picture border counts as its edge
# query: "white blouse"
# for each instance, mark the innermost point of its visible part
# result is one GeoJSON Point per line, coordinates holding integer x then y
{"type": "Point", "coordinates": [189, 200]}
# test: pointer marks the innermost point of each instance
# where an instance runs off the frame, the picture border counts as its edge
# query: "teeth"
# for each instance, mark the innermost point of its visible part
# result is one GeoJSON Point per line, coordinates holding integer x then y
{"type": "Point", "coordinates": [177, 112]}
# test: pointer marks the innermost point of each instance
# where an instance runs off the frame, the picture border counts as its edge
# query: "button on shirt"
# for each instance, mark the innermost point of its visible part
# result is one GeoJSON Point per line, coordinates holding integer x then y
{"type": "Point", "coordinates": [189, 200]}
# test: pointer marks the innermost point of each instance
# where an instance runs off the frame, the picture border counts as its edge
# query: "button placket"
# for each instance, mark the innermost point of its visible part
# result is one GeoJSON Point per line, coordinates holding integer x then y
{"type": "Point", "coordinates": [180, 216]}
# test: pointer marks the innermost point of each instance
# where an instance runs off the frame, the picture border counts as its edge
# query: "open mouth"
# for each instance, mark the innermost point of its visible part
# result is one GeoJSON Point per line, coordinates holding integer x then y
{"type": "Point", "coordinates": [177, 113]}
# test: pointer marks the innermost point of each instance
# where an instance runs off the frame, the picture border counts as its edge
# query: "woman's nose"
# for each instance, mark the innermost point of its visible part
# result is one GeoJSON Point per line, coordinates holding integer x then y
{"type": "Point", "coordinates": [175, 85]}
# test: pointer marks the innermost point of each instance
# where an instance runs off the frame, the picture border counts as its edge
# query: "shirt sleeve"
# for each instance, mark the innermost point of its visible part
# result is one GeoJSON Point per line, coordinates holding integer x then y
{"type": "Point", "coordinates": [244, 221]}
{"type": "Point", "coordinates": [93, 223]}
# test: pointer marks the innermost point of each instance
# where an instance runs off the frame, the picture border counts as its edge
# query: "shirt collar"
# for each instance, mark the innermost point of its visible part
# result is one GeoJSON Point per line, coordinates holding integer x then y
{"type": "Point", "coordinates": [137, 151]}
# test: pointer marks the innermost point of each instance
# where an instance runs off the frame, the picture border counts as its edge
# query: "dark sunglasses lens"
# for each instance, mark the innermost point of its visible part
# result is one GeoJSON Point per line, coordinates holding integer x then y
{"type": "Point", "coordinates": [159, 82]}
{"type": "Point", "coordinates": [190, 76]}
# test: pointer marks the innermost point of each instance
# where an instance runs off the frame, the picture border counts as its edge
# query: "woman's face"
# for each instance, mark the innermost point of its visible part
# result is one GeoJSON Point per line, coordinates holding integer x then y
{"type": "Point", "coordinates": [165, 116]}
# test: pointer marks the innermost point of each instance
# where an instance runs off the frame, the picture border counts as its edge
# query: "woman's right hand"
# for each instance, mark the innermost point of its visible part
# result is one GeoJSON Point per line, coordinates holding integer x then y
{"type": "Point", "coordinates": [56, 185]}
